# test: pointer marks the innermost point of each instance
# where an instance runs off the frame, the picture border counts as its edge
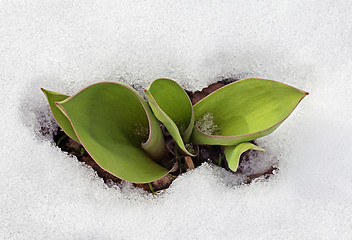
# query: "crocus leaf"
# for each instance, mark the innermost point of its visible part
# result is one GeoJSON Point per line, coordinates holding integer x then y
{"type": "Point", "coordinates": [233, 153]}
{"type": "Point", "coordinates": [58, 114]}
{"type": "Point", "coordinates": [244, 110]}
{"type": "Point", "coordinates": [111, 121]}
{"type": "Point", "coordinates": [172, 106]}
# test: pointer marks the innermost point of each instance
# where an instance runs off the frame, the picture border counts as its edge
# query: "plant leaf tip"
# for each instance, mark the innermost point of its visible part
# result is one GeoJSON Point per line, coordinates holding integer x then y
{"type": "Point", "coordinates": [304, 92]}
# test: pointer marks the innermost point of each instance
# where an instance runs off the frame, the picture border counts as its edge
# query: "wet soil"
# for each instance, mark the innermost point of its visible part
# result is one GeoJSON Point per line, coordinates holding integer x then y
{"type": "Point", "coordinates": [206, 153]}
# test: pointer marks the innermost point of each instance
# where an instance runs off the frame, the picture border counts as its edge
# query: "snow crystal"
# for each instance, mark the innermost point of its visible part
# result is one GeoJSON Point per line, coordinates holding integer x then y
{"type": "Point", "coordinates": [66, 45]}
{"type": "Point", "coordinates": [207, 125]}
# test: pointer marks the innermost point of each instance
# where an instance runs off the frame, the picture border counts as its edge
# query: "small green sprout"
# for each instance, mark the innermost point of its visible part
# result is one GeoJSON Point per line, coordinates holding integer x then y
{"type": "Point", "coordinates": [122, 133]}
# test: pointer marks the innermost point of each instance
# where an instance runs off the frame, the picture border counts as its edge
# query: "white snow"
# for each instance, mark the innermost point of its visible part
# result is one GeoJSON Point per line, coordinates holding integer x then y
{"type": "Point", "coordinates": [207, 125]}
{"type": "Point", "coordinates": [66, 45]}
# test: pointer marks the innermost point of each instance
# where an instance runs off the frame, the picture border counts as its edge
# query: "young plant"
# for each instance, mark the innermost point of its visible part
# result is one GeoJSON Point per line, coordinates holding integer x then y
{"type": "Point", "coordinates": [116, 127]}
{"type": "Point", "coordinates": [231, 116]}
{"type": "Point", "coordinates": [172, 106]}
{"type": "Point", "coordinates": [122, 134]}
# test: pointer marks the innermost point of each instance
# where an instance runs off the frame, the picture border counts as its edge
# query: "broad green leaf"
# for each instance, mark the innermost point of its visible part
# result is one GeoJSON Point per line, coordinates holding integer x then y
{"type": "Point", "coordinates": [233, 153]}
{"type": "Point", "coordinates": [60, 117]}
{"type": "Point", "coordinates": [112, 120]}
{"type": "Point", "coordinates": [172, 106]}
{"type": "Point", "coordinates": [244, 110]}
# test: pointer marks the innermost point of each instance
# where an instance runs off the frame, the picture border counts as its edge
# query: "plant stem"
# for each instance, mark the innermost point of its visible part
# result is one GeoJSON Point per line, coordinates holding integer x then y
{"type": "Point", "coordinates": [219, 160]}
{"type": "Point", "coordinates": [151, 187]}
{"type": "Point", "coordinates": [178, 158]}
{"type": "Point", "coordinates": [170, 176]}
{"type": "Point", "coordinates": [189, 162]}
{"type": "Point", "coordinates": [60, 139]}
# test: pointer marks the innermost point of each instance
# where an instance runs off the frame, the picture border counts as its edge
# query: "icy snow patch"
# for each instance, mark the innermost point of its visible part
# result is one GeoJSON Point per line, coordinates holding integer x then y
{"type": "Point", "coordinates": [207, 125]}
{"type": "Point", "coordinates": [64, 46]}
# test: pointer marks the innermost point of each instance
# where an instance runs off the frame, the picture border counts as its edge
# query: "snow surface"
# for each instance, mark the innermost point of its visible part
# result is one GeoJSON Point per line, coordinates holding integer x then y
{"type": "Point", "coordinates": [66, 45]}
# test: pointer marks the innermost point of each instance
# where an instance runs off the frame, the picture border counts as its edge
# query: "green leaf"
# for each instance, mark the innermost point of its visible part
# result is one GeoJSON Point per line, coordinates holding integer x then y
{"type": "Point", "coordinates": [233, 153]}
{"type": "Point", "coordinates": [60, 117]}
{"type": "Point", "coordinates": [244, 110]}
{"type": "Point", "coordinates": [172, 106]}
{"type": "Point", "coordinates": [112, 120]}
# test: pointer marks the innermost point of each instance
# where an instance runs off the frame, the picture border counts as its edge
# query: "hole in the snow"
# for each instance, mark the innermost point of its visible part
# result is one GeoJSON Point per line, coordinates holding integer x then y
{"type": "Point", "coordinates": [206, 153]}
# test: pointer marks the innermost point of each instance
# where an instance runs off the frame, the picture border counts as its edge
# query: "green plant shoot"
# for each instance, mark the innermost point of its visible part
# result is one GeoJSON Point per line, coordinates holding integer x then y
{"type": "Point", "coordinates": [121, 132]}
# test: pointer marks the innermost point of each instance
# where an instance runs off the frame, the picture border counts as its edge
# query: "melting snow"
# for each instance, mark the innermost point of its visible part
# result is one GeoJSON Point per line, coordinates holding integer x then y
{"type": "Point", "coordinates": [66, 45]}
{"type": "Point", "coordinates": [207, 125]}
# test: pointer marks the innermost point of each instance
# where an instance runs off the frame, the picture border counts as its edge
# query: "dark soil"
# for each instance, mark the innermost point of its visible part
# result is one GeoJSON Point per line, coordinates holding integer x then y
{"type": "Point", "coordinates": [206, 153]}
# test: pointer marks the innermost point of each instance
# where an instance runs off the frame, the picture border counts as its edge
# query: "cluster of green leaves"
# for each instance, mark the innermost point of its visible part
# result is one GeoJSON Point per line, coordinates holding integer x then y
{"type": "Point", "coordinates": [121, 131]}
